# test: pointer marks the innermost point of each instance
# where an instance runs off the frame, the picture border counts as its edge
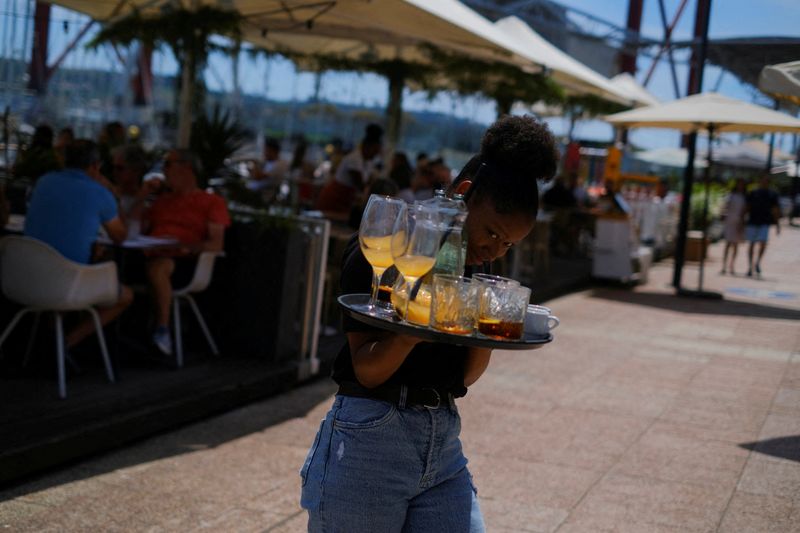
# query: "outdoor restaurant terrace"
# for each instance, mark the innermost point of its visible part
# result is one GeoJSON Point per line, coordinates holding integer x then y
{"type": "Point", "coordinates": [282, 118]}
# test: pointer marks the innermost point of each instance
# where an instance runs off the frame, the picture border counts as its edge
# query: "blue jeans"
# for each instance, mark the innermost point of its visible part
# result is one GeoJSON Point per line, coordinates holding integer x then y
{"type": "Point", "coordinates": [377, 467]}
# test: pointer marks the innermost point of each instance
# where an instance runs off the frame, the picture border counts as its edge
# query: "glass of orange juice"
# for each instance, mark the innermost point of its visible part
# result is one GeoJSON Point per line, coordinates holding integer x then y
{"type": "Point", "coordinates": [415, 243]}
{"type": "Point", "coordinates": [375, 236]}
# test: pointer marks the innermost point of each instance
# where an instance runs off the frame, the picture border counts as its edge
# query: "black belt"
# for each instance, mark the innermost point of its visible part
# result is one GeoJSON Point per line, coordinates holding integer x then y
{"type": "Point", "coordinates": [401, 395]}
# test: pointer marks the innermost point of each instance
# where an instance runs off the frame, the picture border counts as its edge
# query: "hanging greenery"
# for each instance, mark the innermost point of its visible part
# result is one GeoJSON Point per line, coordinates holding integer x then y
{"type": "Point", "coordinates": [588, 105]}
{"type": "Point", "coordinates": [183, 30]}
{"type": "Point", "coordinates": [186, 32]}
{"type": "Point", "coordinates": [502, 82]}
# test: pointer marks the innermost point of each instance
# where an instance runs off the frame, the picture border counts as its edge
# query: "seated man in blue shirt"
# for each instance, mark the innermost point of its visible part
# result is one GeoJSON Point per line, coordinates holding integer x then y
{"type": "Point", "coordinates": [66, 211]}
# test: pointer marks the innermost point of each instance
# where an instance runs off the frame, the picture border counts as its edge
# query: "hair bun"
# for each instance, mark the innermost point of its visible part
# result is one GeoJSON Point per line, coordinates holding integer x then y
{"type": "Point", "coordinates": [521, 146]}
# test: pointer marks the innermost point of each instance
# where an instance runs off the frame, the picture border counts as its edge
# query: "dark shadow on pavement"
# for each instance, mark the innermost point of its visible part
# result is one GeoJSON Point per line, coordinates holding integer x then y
{"type": "Point", "coordinates": [205, 434]}
{"type": "Point", "coordinates": [783, 447]}
{"type": "Point", "coordinates": [695, 305]}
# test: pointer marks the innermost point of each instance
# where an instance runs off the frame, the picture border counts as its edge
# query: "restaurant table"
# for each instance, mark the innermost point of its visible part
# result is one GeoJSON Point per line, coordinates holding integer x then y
{"type": "Point", "coordinates": [15, 224]}
{"type": "Point", "coordinates": [138, 244]}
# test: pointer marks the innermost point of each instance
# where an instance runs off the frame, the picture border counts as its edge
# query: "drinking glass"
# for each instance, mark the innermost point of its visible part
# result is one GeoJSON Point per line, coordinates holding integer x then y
{"type": "Point", "coordinates": [375, 237]}
{"type": "Point", "coordinates": [415, 244]}
{"type": "Point", "coordinates": [501, 311]}
{"type": "Point", "coordinates": [454, 304]}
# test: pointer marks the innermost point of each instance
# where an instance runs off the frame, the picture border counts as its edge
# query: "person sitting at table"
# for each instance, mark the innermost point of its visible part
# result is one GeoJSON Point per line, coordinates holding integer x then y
{"type": "Point", "coordinates": [380, 186]}
{"type": "Point", "coordinates": [65, 136]}
{"type": "Point", "coordinates": [111, 136]}
{"type": "Point", "coordinates": [273, 170]}
{"type": "Point", "coordinates": [196, 218]}
{"type": "Point", "coordinates": [129, 165]}
{"type": "Point", "coordinates": [353, 174]}
{"type": "Point", "coordinates": [67, 209]}
{"type": "Point", "coordinates": [39, 157]}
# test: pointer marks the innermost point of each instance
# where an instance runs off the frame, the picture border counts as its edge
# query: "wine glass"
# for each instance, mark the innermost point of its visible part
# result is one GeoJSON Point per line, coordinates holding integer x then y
{"type": "Point", "coordinates": [375, 237]}
{"type": "Point", "coordinates": [416, 242]}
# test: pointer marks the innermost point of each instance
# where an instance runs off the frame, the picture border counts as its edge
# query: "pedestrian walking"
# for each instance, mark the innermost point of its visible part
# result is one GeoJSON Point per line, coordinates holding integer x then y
{"type": "Point", "coordinates": [762, 211]}
{"type": "Point", "coordinates": [735, 208]}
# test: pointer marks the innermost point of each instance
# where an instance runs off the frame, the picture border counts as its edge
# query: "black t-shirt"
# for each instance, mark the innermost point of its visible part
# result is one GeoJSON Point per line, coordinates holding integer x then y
{"type": "Point", "coordinates": [428, 365]}
{"type": "Point", "coordinates": [760, 204]}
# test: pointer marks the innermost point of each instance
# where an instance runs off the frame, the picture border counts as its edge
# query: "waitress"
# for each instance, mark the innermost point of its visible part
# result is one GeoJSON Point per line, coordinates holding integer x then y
{"type": "Point", "coordinates": [388, 456]}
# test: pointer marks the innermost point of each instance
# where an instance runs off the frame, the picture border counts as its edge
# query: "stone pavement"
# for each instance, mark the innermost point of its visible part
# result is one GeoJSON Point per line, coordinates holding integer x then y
{"type": "Point", "coordinates": [649, 413]}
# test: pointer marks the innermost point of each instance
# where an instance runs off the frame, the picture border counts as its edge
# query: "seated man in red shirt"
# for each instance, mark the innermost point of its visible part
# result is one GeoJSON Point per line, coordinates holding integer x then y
{"type": "Point", "coordinates": [193, 216]}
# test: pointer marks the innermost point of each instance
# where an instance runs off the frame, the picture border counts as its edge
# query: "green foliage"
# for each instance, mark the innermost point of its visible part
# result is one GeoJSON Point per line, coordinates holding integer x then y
{"type": "Point", "coordinates": [215, 138]}
{"type": "Point", "coordinates": [502, 82]}
{"type": "Point", "coordinates": [716, 203]}
{"type": "Point", "coordinates": [589, 105]}
{"type": "Point", "coordinates": [185, 31]}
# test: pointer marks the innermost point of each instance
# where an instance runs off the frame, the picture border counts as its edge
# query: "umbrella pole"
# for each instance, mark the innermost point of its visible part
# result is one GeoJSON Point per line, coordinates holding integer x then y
{"type": "Point", "coordinates": [704, 222]}
{"type": "Point", "coordinates": [700, 293]}
{"type": "Point", "coordinates": [683, 222]}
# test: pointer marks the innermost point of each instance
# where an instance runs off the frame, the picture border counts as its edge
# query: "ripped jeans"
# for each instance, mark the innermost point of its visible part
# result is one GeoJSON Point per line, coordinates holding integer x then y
{"type": "Point", "coordinates": [376, 467]}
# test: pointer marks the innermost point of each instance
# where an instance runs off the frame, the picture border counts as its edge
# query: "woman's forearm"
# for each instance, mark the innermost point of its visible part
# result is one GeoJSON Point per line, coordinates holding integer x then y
{"type": "Point", "coordinates": [475, 365]}
{"type": "Point", "coordinates": [375, 359]}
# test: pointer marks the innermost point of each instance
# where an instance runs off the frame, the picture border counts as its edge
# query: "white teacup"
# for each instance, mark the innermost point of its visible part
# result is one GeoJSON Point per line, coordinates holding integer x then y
{"type": "Point", "coordinates": [539, 321]}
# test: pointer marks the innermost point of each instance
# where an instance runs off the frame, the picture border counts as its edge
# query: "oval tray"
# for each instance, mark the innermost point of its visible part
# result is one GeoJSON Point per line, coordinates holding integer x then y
{"type": "Point", "coordinates": [348, 303]}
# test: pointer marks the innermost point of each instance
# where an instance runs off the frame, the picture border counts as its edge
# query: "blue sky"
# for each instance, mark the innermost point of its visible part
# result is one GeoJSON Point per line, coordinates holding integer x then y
{"type": "Point", "coordinates": [729, 18]}
{"type": "Point", "coordinates": [278, 79]}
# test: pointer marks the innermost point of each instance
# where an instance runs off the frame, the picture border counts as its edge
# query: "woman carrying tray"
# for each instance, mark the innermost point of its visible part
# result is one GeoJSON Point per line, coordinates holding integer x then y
{"type": "Point", "coordinates": [388, 457]}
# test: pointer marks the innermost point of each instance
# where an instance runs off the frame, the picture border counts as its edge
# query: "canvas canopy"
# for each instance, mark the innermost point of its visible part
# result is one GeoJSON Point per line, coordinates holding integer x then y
{"type": "Point", "coordinates": [698, 111]}
{"type": "Point", "coordinates": [628, 84]}
{"type": "Point", "coordinates": [668, 157]}
{"type": "Point", "coordinates": [573, 75]}
{"type": "Point", "coordinates": [752, 153]}
{"type": "Point", "coordinates": [389, 29]}
{"type": "Point", "coordinates": [781, 81]}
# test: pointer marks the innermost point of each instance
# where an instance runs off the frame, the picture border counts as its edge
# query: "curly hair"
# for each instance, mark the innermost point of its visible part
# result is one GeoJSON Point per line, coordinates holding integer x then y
{"type": "Point", "coordinates": [515, 153]}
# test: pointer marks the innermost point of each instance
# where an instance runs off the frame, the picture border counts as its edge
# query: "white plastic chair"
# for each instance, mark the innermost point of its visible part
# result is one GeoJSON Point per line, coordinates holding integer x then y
{"type": "Point", "coordinates": [199, 283]}
{"type": "Point", "coordinates": [35, 275]}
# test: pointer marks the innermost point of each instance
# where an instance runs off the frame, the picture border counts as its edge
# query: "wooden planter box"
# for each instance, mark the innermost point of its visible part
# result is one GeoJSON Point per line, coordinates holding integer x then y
{"type": "Point", "coordinates": [696, 248]}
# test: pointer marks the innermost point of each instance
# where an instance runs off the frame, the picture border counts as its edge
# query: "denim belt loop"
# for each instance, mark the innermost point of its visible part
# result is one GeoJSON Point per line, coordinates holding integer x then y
{"type": "Point", "coordinates": [403, 395]}
{"type": "Point", "coordinates": [451, 401]}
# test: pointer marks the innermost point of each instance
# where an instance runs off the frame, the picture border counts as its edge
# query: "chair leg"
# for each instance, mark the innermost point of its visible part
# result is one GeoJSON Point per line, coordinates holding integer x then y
{"type": "Point", "coordinates": [62, 379]}
{"type": "Point", "coordinates": [12, 325]}
{"type": "Point", "coordinates": [31, 338]}
{"type": "Point", "coordinates": [176, 311]}
{"type": "Point", "coordinates": [203, 325]}
{"type": "Point", "coordinates": [102, 340]}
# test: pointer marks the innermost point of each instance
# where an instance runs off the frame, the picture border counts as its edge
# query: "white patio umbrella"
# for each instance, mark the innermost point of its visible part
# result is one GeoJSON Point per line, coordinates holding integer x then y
{"type": "Point", "coordinates": [628, 84]}
{"type": "Point", "coordinates": [668, 157]}
{"type": "Point", "coordinates": [384, 30]}
{"type": "Point", "coordinates": [389, 28]}
{"type": "Point", "coordinates": [709, 112]}
{"type": "Point", "coordinates": [752, 153]}
{"type": "Point", "coordinates": [781, 81]}
{"type": "Point", "coordinates": [574, 76]}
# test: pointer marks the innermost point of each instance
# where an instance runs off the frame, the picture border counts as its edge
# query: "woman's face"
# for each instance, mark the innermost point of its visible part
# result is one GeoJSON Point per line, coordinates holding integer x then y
{"type": "Point", "coordinates": [490, 234]}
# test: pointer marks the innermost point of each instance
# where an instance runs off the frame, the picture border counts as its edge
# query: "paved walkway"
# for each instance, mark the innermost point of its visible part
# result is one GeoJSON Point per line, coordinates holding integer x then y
{"type": "Point", "coordinates": [649, 413]}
